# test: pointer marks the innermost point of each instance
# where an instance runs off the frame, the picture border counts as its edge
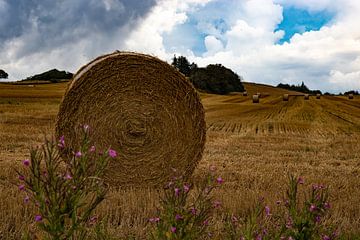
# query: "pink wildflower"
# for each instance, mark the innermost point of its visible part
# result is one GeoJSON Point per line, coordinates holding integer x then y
{"type": "Point", "coordinates": [21, 187]}
{"type": "Point", "coordinates": [173, 229]}
{"type": "Point", "coordinates": [312, 208]}
{"type": "Point", "coordinates": [112, 153]}
{"type": "Point", "coordinates": [78, 154]}
{"type": "Point", "coordinates": [26, 199]}
{"type": "Point", "coordinates": [38, 218]}
{"type": "Point", "coordinates": [267, 211]}
{"type": "Point", "coordinates": [219, 180]}
{"type": "Point", "coordinates": [212, 168]}
{"type": "Point", "coordinates": [178, 217]}
{"type": "Point", "coordinates": [92, 149]}
{"type": "Point", "coordinates": [206, 222]}
{"type": "Point", "coordinates": [300, 180]}
{"type": "Point", "coordinates": [193, 211]}
{"type": "Point", "coordinates": [217, 204]}
{"type": "Point", "coordinates": [177, 191]}
{"type": "Point", "coordinates": [325, 237]}
{"type": "Point", "coordinates": [186, 188]}
{"type": "Point", "coordinates": [327, 205]}
{"type": "Point", "coordinates": [26, 162]}
{"type": "Point", "coordinates": [154, 220]}
{"type": "Point", "coordinates": [21, 177]}
{"type": "Point", "coordinates": [68, 176]}
{"type": "Point", "coordinates": [61, 143]}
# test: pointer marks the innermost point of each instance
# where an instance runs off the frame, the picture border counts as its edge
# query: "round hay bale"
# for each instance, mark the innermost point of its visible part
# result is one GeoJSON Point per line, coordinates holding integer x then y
{"type": "Point", "coordinates": [286, 97]}
{"type": "Point", "coordinates": [318, 96]}
{"type": "Point", "coordinates": [259, 94]}
{"type": "Point", "coordinates": [256, 98]}
{"type": "Point", "coordinates": [351, 96]}
{"type": "Point", "coordinates": [306, 96]}
{"type": "Point", "coordinates": [141, 107]}
{"type": "Point", "coordinates": [245, 94]}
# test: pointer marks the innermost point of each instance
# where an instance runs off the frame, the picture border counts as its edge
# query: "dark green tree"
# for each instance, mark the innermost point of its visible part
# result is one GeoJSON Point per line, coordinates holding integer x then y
{"type": "Point", "coordinates": [3, 74]}
{"type": "Point", "coordinates": [217, 79]}
{"type": "Point", "coordinates": [183, 65]}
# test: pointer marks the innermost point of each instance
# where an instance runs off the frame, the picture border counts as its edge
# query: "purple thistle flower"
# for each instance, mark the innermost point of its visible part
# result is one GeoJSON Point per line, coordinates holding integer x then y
{"type": "Point", "coordinates": [312, 208]}
{"type": "Point", "coordinates": [26, 162]}
{"type": "Point", "coordinates": [178, 217]}
{"type": "Point", "coordinates": [177, 192]}
{"type": "Point", "coordinates": [38, 218]}
{"type": "Point", "coordinates": [86, 127]}
{"type": "Point", "coordinates": [327, 205]}
{"type": "Point", "coordinates": [267, 211]}
{"type": "Point", "coordinates": [173, 229]}
{"type": "Point", "coordinates": [92, 149]}
{"type": "Point", "coordinates": [289, 223]}
{"type": "Point", "coordinates": [219, 180]}
{"type": "Point", "coordinates": [193, 211]}
{"type": "Point", "coordinates": [258, 237]}
{"type": "Point", "coordinates": [206, 222]}
{"type": "Point", "coordinates": [234, 219]}
{"type": "Point", "coordinates": [61, 143]}
{"type": "Point", "coordinates": [112, 153]}
{"type": "Point", "coordinates": [154, 220]}
{"type": "Point", "coordinates": [186, 188]}
{"type": "Point", "coordinates": [68, 176]}
{"type": "Point", "coordinates": [300, 180]}
{"type": "Point", "coordinates": [317, 219]}
{"type": "Point", "coordinates": [78, 154]}
{"type": "Point", "coordinates": [325, 237]}
{"type": "Point", "coordinates": [217, 204]}
{"type": "Point", "coordinates": [21, 177]}
{"type": "Point", "coordinates": [26, 199]}
{"type": "Point", "coordinates": [21, 187]}
{"type": "Point", "coordinates": [93, 219]}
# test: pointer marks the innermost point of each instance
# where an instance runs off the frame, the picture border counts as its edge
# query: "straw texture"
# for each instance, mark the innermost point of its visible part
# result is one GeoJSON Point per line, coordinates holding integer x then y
{"type": "Point", "coordinates": [144, 109]}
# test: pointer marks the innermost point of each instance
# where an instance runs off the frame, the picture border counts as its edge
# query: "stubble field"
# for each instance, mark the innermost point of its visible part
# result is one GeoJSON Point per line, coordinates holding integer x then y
{"type": "Point", "coordinates": [253, 146]}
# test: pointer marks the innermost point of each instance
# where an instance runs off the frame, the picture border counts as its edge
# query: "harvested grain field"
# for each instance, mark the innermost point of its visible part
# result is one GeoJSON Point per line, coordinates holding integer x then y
{"type": "Point", "coordinates": [253, 146]}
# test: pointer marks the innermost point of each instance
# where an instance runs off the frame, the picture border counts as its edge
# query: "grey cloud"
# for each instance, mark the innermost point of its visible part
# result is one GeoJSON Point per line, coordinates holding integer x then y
{"type": "Point", "coordinates": [47, 24]}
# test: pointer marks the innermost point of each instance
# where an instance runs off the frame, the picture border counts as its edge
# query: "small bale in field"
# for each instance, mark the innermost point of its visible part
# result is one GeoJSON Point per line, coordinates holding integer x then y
{"type": "Point", "coordinates": [256, 98]}
{"type": "Point", "coordinates": [245, 94]}
{"type": "Point", "coordinates": [351, 96]}
{"type": "Point", "coordinates": [31, 86]}
{"type": "Point", "coordinates": [259, 94]}
{"type": "Point", "coordinates": [306, 96]}
{"type": "Point", "coordinates": [286, 97]}
{"type": "Point", "coordinates": [318, 95]}
{"type": "Point", "coordinates": [141, 107]}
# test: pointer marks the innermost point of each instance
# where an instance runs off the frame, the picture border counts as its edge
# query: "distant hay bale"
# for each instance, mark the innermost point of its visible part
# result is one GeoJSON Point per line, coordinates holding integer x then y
{"type": "Point", "coordinates": [144, 109]}
{"type": "Point", "coordinates": [306, 96]}
{"type": "Point", "coordinates": [31, 86]}
{"type": "Point", "coordinates": [245, 94]}
{"type": "Point", "coordinates": [351, 96]}
{"type": "Point", "coordinates": [318, 95]}
{"type": "Point", "coordinates": [259, 94]}
{"type": "Point", "coordinates": [256, 98]}
{"type": "Point", "coordinates": [286, 97]}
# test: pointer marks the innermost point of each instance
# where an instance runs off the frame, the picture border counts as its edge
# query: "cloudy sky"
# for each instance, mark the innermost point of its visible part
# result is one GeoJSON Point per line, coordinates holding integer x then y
{"type": "Point", "coordinates": [265, 41]}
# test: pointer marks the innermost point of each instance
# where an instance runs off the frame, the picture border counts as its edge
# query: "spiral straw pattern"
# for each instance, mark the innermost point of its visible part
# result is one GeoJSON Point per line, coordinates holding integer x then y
{"type": "Point", "coordinates": [144, 109]}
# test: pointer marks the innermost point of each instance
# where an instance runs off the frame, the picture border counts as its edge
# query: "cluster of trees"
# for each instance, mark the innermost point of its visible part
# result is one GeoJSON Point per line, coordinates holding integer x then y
{"type": "Point", "coordinates": [3, 74]}
{"type": "Point", "coordinates": [53, 75]}
{"type": "Point", "coordinates": [352, 92]}
{"type": "Point", "coordinates": [299, 88]}
{"type": "Point", "coordinates": [214, 78]}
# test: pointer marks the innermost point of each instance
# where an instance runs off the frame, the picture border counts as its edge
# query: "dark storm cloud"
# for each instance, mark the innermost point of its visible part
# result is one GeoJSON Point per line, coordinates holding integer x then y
{"type": "Point", "coordinates": [49, 24]}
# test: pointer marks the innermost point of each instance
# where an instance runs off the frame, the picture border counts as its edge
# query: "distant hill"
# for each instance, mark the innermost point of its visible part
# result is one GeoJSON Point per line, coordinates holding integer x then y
{"type": "Point", "coordinates": [52, 75]}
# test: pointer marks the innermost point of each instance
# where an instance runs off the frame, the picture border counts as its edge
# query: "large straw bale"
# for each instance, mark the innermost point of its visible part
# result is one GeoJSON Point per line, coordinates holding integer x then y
{"type": "Point", "coordinates": [144, 109]}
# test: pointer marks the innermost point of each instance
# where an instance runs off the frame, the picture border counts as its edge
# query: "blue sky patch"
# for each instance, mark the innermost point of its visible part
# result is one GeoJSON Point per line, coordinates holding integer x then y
{"type": "Point", "coordinates": [300, 20]}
